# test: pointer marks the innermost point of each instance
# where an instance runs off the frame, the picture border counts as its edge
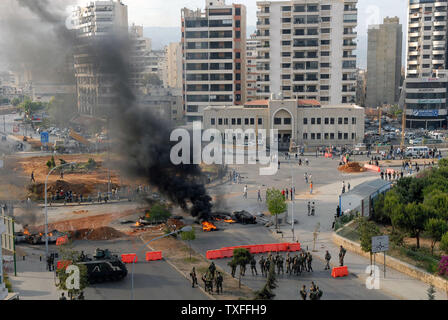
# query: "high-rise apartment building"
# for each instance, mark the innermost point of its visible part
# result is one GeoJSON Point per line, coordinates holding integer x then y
{"type": "Point", "coordinates": [251, 66]}
{"type": "Point", "coordinates": [140, 48]}
{"type": "Point", "coordinates": [307, 49]}
{"type": "Point", "coordinates": [173, 66]}
{"type": "Point", "coordinates": [214, 57]}
{"type": "Point", "coordinates": [98, 19]}
{"type": "Point", "coordinates": [384, 62]}
{"type": "Point", "coordinates": [426, 77]}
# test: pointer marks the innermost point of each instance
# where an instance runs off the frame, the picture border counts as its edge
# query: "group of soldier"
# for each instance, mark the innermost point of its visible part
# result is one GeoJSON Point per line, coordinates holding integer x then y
{"type": "Point", "coordinates": [210, 278]}
{"type": "Point", "coordinates": [315, 292]}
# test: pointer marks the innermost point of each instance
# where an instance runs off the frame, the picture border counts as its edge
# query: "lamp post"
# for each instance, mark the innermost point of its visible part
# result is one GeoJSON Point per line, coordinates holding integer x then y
{"type": "Point", "coordinates": [46, 210]}
{"type": "Point", "coordinates": [292, 203]}
{"type": "Point", "coordinates": [184, 229]}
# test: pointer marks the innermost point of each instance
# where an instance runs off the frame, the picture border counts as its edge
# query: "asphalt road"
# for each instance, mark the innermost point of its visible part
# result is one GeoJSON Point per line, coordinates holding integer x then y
{"type": "Point", "coordinates": [155, 280]}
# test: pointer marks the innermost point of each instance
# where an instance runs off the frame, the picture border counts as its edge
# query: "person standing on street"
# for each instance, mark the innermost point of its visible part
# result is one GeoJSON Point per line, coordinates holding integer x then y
{"type": "Point", "coordinates": [342, 253]}
{"type": "Point", "coordinates": [291, 194]}
{"type": "Point", "coordinates": [245, 192]}
{"type": "Point", "coordinates": [309, 208]}
{"type": "Point", "coordinates": [303, 293]}
{"type": "Point", "coordinates": [253, 266]}
{"type": "Point", "coordinates": [32, 177]}
{"type": "Point", "coordinates": [286, 190]}
{"type": "Point", "coordinates": [311, 187]}
{"type": "Point", "coordinates": [219, 281]}
{"type": "Point", "coordinates": [348, 186]}
{"type": "Point", "coordinates": [259, 194]}
{"type": "Point", "coordinates": [313, 209]}
{"type": "Point", "coordinates": [343, 186]}
{"type": "Point", "coordinates": [327, 259]}
{"type": "Point", "coordinates": [194, 279]}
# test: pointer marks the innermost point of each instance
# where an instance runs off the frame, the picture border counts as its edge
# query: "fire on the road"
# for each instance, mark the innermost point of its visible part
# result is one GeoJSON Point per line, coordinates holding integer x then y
{"type": "Point", "coordinates": [208, 226]}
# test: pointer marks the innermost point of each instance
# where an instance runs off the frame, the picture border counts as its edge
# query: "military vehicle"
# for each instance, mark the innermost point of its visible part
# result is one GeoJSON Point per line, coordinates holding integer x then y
{"type": "Point", "coordinates": [244, 217]}
{"type": "Point", "coordinates": [103, 267]}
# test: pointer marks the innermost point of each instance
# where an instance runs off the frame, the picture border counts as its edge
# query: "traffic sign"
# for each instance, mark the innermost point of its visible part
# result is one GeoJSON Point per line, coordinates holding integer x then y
{"type": "Point", "coordinates": [44, 137]}
{"type": "Point", "coordinates": [380, 244]}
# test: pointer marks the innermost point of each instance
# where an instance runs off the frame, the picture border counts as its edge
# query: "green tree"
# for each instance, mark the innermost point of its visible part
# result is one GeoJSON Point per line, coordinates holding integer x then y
{"type": "Point", "coordinates": [29, 107]}
{"type": "Point", "coordinates": [435, 228]}
{"type": "Point", "coordinates": [188, 236]}
{"type": "Point", "coordinates": [159, 213]}
{"type": "Point", "coordinates": [438, 202]}
{"type": "Point", "coordinates": [412, 219]}
{"type": "Point", "coordinates": [67, 253]}
{"type": "Point", "coordinates": [241, 257]}
{"type": "Point", "coordinates": [271, 283]}
{"type": "Point", "coordinates": [15, 102]}
{"type": "Point", "coordinates": [61, 110]}
{"type": "Point", "coordinates": [367, 230]}
{"type": "Point", "coordinates": [276, 203]}
{"type": "Point", "coordinates": [444, 243]}
{"type": "Point", "coordinates": [443, 163]}
{"type": "Point", "coordinates": [53, 163]}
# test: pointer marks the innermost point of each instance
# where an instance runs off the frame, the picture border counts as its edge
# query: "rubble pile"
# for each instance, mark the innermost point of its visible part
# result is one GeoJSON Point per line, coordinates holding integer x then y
{"type": "Point", "coordinates": [351, 167]}
{"type": "Point", "coordinates": [101, 233]}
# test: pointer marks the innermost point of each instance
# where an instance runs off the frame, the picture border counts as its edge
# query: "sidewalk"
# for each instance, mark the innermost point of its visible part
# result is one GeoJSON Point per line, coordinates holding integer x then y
{"type": "Point", "coordinates": [396, 284]}
{"type": "Point", "coordinates": [33, 281]}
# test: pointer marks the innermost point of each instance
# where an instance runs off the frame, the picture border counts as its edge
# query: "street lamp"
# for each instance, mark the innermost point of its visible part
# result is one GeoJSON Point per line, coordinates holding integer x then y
{"type": "Point", "coordinates": [184, 229]}
{"type": "Point", "coordinates": [292, 202]}
{"type": "Point", "coordinates": [46, 210]}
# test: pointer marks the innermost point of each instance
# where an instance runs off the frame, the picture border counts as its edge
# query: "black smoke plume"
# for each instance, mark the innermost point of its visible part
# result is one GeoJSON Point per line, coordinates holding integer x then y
{"type": "Point", "coordinates": [142, 140]}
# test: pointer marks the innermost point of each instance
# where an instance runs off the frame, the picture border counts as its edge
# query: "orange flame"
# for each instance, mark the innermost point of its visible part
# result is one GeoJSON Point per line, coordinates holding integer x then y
{"type": "Point", "coordinates": [26, 232]}
{"type": "Point", "coordinates": [230, 221]}
{"type": "Point", "coordinates": [50, 234]}
{"type": "Point", "coordinates": [208, 226]}
{"type": "Point", "coordinates": [138, 224]}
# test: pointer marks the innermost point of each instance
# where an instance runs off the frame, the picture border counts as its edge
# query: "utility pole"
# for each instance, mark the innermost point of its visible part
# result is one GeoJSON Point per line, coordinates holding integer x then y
{"type": "Point", "coordinates": [379, 120]}
{"type": "Point", "coordinates": [403, 128]}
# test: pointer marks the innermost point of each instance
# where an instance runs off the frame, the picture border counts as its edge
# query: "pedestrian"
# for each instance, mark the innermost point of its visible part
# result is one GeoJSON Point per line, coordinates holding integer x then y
{"type": "Point", "coordinates": [338, 211]}
{"type": "Point", "coordinates": [261, 262]}
{"type": "Point", "coordinates": [245, 192]}
{"type": "Point", "coordinates": [342, 253]}
{"type": "Point", "coordinates": [32, 177]}
{"type": "Point", "coordinates": [212, 269]}
{"type": "Point", "coordinates": [348, 186]}
{"type": "Point", "coordinates": [99, 197]}
{"type": "Point", "coordinates": [291, 194]}
{"type": "Point", "coordinates": [309, 208]}
{"type": "Point", "coordinates": [311, 187]}
{"type": "Point", "coordinates": [306, 177]}
{"type": "Point", "coordinates": [81, 296]}
{"type": "Point", "coordinates": [253, 266]}
{"type": "Point", "coordinates": [219, 281]}
{"type": "Point", "coordinates": [63, 297]}
{"type": "Point", "coordinates": [343, 186]}
{"type": "Point", "coordinates": [288, 263]}
{"type": "Point", "coordinates": [259, 194]}
{"type": "Point", "coordinates": [286, 191]}
{"type": "Point", "coordinates": [327, 259]}
{"type": "Point", "coordinates": [313, 211]}
{"type": "Point", "coordinates": [194, 279]}
{"type": "Point", "coordinates": [303, 292]}
{"type": "Point", "coordinates": [283, 193]}
{"type": "Point", "coordinates": [309, 261]}
{"type": "Point", "coordinates": [232, 265]}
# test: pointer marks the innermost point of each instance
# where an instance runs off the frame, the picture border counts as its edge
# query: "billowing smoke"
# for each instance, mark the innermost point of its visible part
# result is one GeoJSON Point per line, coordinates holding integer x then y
{"type": "Point", "coordinates": [141, 139]}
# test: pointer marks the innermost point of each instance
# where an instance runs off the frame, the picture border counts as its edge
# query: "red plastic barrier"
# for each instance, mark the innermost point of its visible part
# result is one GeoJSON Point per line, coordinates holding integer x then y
{"type": "Point", "coordinates": [294, 247]}
{"type": "Point", "coordinates": [129, 258]}
{"type": "Point", "coordinates": [226, 253]}
{"type": "Point", "coordinates": [63, 264]}
{"type": "Point", "coordinates": [328, 155]}
{"type": "Point", "coordinates": [153, 255]}
{"type": "Point", "coordinates": [372, 168]}
{"type": "Point", "coordinates": [339, 272]}
{"type": "Point", "coordinates": [213, 254]}
{"type": "Point", "coordinates": [282, 247]}
{"type": "Point", "coordinates": [61, 240]}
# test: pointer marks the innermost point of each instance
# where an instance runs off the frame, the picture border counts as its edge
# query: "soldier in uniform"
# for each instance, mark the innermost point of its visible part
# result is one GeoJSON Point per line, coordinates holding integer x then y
{"type": "Point", "coordinates": [262, 263]}
{"type": "Point", "coordinates": [233, 266]}
{"type": "Point", "coordinates": [280, 265]}
{"type": "Point", "coordinates": [288, 263]}
{"type": "Point", "coordinates": [267, 265]}
{"type": "Point", "coordinates": [63, 297]}
{"type": "Point", "coordinates": [313, 291]}
{"type": "Point", "coordinates": [303, 292]}
{"type": "Point", "coordinates": [219, 280]}
{"type": "Point", "coordinates": [309, 261]}
{"type": "Point", "coordinates": [327, 259]}
{"type": "Point", "coordinates": [212, 269]}
{"type": "Point", "coordinates": [342, 252]}
{"type": "Point", "coordinates": [194, 279]}
{"type": "Point", "coordinates": [253, 266]}
{"type": "Point", "coordinates": [318, 293]}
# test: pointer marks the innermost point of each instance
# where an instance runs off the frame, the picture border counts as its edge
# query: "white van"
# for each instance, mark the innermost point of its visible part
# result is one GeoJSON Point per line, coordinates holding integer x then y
{"type": "Point", "coordinates": [416, 151]}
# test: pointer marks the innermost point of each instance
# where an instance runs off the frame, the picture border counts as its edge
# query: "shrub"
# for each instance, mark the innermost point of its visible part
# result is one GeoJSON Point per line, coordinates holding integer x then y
{"type": "Point", "coordinates": [91, 164]}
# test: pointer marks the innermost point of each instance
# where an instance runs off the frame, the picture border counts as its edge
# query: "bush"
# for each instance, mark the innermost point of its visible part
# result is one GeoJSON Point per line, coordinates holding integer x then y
{"type": "Point", "coordinates": [91, 164]}
{"type": "Point", "coordinates": [443, 266]}
{"type": "Point", "coordinates": [397, 238]}
{"type": "Point", "coordinates": [158, 213]}
{"type": "Point", "coordinates": [444, 243]}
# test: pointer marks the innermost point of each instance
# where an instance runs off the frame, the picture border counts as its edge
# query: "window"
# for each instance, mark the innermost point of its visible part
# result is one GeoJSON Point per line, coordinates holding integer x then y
{"type": "Point", "coordinates": [286, 76]}
{"type": "Point", "coordinates": [325, 65]}
{"type": "Point", "coordinates": [286, 54]}
{"type": "Point", "coordinates": [325, 53]}
{"type": "Point", "coordinates": [353, 120]}
{"type": "Point", "coordinates": [345, 120]}
{"type": "Point", "coordinates": [277, 121]}
{"type": "Point", "coordinates": [331, 136]}
{"type": "Point", "coordinates": [345, 136]}
{"type": "Point", "coordinates": [325, 30]}
{"type": "Point", "coordinates": [339, 135]}
{"type": "Point", "coordinates": [286, 20]}
{"type": "Point", "coordinates": [339, 120]}
{"type": "Point", "coordinates": [286, 43]}
{"type": "Point", "coordinates": [212, 121]}
{"type": "Point", "coordinates": [331, 120]}
{"type": "Point", "coordinates": [319, 136]}
{"type": "Point", "coordinates": [246, 121]}
{"type": "Point", "coordinates": [226, 121]}
{"type": "Point", "coordinates": [325, 42]}
{"type": "Point", "coordinates": [319, 120]}
{"type": "Point", "coordinates": [313, 136]}
{"type": "Point", "coordinates": [305, 120]}
{"type": "Point", "coordinates": [238, 121]}
{"type": "Point", "coordinates": [326, 19]}
{"type": "Point", "coordinates": [325, 98]}
{"type": "Point", "coordinates": [220, 121]}
{"type": "Point", "coordinates": [287, 121]}
{"type": "Point", "coordinates": [353, 136]}
{"type": "Point", "coordinates": [325, 7]}
{"type": "Point", "coordinates": [326, 136]}
{"type": "Point", "coordinates": [252, 121]}
{"type": "Point", "coordinates": [327, 120]}
{"type": "Point", "coordinates": [238, 11]}
{"type": "Point", "coordinates": [324, 88]}
{"type": "Point", "coordinates": [260, 121]}
{"type": "Point", "coordinates": [233, 121]}
{"type": "Point", "coordinates": [313, 120]}
{"type": "Point", "coordinates": [286, 31]}
{"type": "Point", "coordinates": [286, 8]}
{"type": "Point", "coordinates": [305, 136]}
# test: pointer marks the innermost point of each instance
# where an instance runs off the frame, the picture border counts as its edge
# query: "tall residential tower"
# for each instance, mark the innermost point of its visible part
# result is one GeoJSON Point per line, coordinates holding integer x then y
{"type": "Point", "coordinates": [214, 57]}
{"type": "Point", "coordinates": [307, 49]}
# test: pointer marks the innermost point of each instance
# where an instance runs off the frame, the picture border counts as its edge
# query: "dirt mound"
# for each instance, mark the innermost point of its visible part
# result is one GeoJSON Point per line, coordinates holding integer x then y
{"type": "Point", "coordinates": [102, 233]}
{"type": "Point", "coordinates": [38, 189]}
{"type": "Point", "coordinates": [351, 167]}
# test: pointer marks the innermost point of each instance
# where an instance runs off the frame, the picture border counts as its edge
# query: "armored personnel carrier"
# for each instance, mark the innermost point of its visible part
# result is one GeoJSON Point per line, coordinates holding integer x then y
{"type": "Point", "coordinates": [103, 267]}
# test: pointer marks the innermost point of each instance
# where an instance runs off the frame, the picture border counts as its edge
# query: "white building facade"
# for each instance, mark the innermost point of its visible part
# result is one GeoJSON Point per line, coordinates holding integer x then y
{"type": "Point", "coordinates": [307, 49]}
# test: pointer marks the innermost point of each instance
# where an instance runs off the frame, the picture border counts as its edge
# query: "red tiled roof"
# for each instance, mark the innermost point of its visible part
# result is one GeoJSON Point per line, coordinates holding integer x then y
{"type": "Point", "coordinates": [257, 103]}
{"type": "Point", "coordinates": [307, 102]}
